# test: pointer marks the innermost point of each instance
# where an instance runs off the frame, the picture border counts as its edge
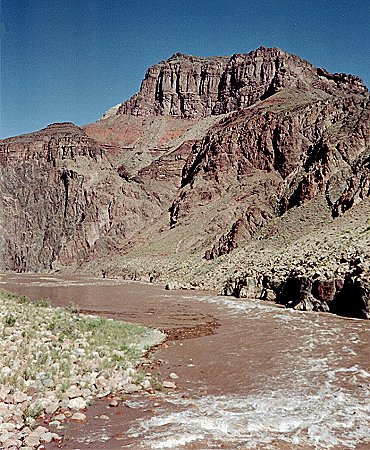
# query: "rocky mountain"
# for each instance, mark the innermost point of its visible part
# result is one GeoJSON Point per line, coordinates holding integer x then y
{"type": "Point", "coordinates": [191, 87]}
{"type": "Point", "coordinates": [224, 172]}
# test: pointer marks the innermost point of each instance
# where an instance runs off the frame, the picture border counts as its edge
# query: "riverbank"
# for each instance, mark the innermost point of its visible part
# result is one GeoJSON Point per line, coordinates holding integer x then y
{"type": "Point", "coordinates": [305, 260]}
{"type": "Point", "coordinates": [55, 362]}
{"type": "Point", "coordinates": [235, 393]}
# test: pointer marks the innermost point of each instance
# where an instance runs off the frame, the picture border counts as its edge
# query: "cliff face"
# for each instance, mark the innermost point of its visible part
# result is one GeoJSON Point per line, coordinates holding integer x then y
{"type": "Point", "coordinates": [214, 160]}
{"type": "Point", "coordinates": [275, 158]}
{"type": "Point", "coordinates": [193, 87]}
{"type": "Point", "coordinates": [61, 200]}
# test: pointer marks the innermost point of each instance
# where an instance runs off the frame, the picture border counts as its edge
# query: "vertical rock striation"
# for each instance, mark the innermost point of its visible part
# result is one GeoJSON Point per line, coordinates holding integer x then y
{"type": "Point", "coordinates": [195, 87]}
{"type": "Point", "coordinates": [62, 200]}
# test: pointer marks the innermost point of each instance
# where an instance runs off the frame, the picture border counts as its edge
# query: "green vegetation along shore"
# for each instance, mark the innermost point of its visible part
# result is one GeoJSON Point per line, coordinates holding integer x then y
{"type": "Point", "coordinates": [55, 361]}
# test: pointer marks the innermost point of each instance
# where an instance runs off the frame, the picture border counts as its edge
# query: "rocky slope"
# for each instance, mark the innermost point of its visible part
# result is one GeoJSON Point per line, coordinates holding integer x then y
{"type": "Point", "coordinates": [61, 197]}
{"type": "Point", "coordinates": [211, 160]}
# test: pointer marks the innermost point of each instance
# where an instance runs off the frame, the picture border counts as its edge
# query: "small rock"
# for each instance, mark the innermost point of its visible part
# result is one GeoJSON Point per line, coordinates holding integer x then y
{"type": "Point", "coordinates": [49, 383]}
{"type": "Point", "coordinates": [174, 376]}
{"type": "Point", "coordinates": [130, 388]}
{"type": "Point", "coordinates": [54, 423]}
{"type": "Point", "coordinates": [77, 403]}
{"type": "Point", "coordinates": [19, 397]}
{"type": "Point", "coordinates": [60, 417]}
{"type": "Point", "coordinates": [113, 403]}
{"type": "Point", "coordinates": [47, 437]}
{"type": "Point", "coordinates": [73, 392]}
{"type": "Point", "coordinates": [104, 417]}
{"type": "Point", "coordinates": [7, 427]}
{"type": "Point", "coordinates": [103, 393]}
{"type": "Point", "coordinates": [52, 408]}
{"type": "Point", "coordinates": [78, 417]}
{"type": "Point", "coordinates": [25, 431]}
{"type": "Point", "coordinates": [32, 440]}
{"type": "Point", "coordinates": [86, 392]}
{"type": "Point", "coordinates": [6, 436]}
{"type": "Point", "coordinates": [146, 384]}
{"type": "Point", "coordinates": [169, 385]}
{"type": "Point", "coordinates": [101, 382]}
{"type": "Point", "coordinates": [12, 443]}
{"type": "Point", "coordinates": [40, 430]}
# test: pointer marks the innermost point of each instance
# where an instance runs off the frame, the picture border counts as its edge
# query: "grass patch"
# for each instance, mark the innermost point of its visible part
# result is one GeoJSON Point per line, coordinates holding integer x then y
{"type": "Point", "coordinates": [46, 350]}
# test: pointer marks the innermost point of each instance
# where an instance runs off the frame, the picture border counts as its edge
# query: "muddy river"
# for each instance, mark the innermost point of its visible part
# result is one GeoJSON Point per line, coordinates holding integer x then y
{"type": "Point", "coordinates": [251, 375]}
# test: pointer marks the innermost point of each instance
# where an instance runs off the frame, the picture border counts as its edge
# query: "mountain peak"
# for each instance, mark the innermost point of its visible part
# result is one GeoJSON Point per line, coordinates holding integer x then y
{"type": "Point", "coordinates": [193, 87]}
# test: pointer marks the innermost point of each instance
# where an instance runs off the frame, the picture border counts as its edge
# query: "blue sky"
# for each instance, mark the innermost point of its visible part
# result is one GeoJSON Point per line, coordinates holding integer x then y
{"type": "Point", "coordinates": [70, 60]}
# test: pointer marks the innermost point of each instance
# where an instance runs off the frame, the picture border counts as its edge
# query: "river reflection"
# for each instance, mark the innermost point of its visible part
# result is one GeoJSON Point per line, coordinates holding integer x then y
{"type": "Point", "coordinates": [267, 378]}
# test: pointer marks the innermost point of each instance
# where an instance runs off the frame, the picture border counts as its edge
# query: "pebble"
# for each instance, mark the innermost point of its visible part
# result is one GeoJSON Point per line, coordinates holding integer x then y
{"type": "Point", "coordinates": [169, 385]}
{"type": "Point", "coordinates": [73, 392]}
{"type": "Point", "coordinates": [174, 376]}
{"type": "Point", "coordinates": [19, 397]}
{"type": "Point", "coordinates": [104, 417]}
{"type": "Point", "coordinates": [77, 403]}
{"type": "Point", "coordinates": [49, 383]}
{"type": "Point", "coordinates": [60, 417]}
{"type": "Point", "coordinates": [11, 443]}
{"type": "Point", "coordinates": [52, 408]}
{"type": "Point", "coordinates": [32, 440]}
{"type": "Point", "coordinates": [129, 388]}
{"type": "Point", "coordinates": [146, 384]}
{"type": "Point", "coordinates": [113, 403]}
{"type": "Point", "coordinates": [7, 427]}
{"type": "Point", "coordinates": [101, 382]}
{"type": "Point", "coordinates": [47, 437]}
{"type": "Point", "coordinates": [103, 393]}
{"type": "Point", "coordinates": [54, 423]}
{"type": "Point", "coordinates": [40, 430]}
{"type": "Point", "coordinates": [6, 436]}
{"type": "Point", "coordinates": [78, 417]}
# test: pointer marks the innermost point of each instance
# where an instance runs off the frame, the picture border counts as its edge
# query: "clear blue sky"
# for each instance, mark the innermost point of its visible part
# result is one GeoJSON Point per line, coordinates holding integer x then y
{"type": "Point", "coordinates": [70, 60]}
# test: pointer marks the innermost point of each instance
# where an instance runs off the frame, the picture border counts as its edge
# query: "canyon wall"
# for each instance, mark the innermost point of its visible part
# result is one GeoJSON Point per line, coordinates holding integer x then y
{"type": "Point", "coordinates": [212, 156]}
{"type": "Point", "coordinates": [61, 200]}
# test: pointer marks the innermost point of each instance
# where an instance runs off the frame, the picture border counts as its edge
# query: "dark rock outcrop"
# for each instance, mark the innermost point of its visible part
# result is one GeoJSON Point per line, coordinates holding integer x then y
{"type": "Point", "coordinates": [348, 295]}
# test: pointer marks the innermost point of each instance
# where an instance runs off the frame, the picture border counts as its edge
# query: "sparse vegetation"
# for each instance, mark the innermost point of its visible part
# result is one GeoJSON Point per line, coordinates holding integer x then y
{"type": "Point", "coordinates": [45, 352]}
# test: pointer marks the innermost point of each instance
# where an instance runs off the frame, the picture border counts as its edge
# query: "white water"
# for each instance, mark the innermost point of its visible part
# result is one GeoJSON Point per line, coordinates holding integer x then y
{"type": "Point", "coordinates": [321, 402]}
{"type": "Point", "coordinates": [312, 381]}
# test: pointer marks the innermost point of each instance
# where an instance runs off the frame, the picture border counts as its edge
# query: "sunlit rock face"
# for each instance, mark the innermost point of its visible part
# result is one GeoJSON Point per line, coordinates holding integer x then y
{"type": "Point", "coordinates": [60, 197]}
{"type": "Point", "coordinates": [195, 87]}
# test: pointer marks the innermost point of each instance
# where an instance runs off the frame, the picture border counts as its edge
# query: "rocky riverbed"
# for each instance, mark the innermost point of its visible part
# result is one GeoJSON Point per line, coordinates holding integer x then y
{"type": "Point", "coordinates": [54, 362]}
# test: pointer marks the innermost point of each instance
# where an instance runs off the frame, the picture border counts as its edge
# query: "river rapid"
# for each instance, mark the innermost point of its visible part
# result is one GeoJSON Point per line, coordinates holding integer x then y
{"type": "Point", "coordinates": [251, 375]}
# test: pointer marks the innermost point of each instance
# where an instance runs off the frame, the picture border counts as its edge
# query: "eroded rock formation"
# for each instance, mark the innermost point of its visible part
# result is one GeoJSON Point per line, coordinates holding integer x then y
{"type": "Point", "coordinates": [195, 87]}
{"type": "Point", "coordinates": [61, 198]}
{"type": "Point", "coordinates": [212, 157]}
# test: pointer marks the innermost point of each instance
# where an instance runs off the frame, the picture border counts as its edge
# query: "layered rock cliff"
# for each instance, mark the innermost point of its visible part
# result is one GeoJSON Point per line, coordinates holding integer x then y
{"type": "Point", "coordinates": [221, 168]}
{"type": "Point", "coordinates": [194, 87]}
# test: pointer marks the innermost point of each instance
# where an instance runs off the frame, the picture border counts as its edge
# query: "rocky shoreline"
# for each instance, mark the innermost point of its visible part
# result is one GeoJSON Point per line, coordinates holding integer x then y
{"type": "Point", "coordinates": [55, 362]}
{"type": "Point", "coordinates": [346, 294]}
{"type": "Point", "coordinates": [321, 264]}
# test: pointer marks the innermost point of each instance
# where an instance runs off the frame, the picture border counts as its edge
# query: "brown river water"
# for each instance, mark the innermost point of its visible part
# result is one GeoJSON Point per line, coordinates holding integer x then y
{"type": "Point", "coordinates": [251, 375]}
